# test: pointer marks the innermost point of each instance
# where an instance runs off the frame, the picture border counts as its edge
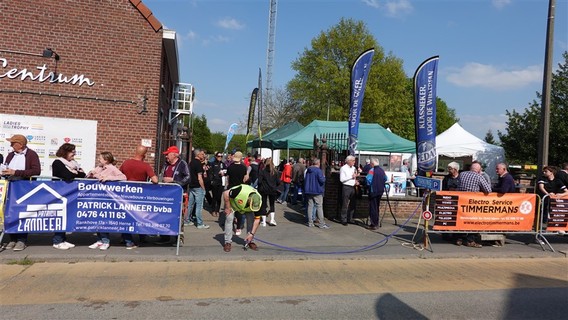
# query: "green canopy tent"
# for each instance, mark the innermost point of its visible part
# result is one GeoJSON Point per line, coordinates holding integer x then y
{"type": "Point", "coordinates": [372, 137]}
{"type": "Point", "coordinates": [268, 139]}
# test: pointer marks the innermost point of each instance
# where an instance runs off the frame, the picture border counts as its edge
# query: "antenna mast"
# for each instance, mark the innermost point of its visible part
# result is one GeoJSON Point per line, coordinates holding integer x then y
{"type": "Point", "coordinates": [271, 43]}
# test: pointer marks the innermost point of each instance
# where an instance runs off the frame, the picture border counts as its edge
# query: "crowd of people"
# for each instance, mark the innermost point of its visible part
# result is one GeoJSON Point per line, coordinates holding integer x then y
{"type": "Point", "coordinates": [249, 187]}
{"type": "Point", "coordinates": [552, 183]}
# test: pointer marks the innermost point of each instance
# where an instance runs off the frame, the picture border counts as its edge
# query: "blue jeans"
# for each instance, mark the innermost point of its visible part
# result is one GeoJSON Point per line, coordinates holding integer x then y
{"type": "Point", "coordinates": [295, 195]}
{"type": "Point", "coordinates": [196, 196]}
{"type": "Point", "coordinates": [284, 194]}
{"type": "Point", "coordinates": [104, 237]}
{"type": "Point", "coordinates": [59, 237]}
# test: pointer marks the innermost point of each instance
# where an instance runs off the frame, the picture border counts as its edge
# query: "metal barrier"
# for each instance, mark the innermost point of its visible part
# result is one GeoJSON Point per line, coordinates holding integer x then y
{"type": "Point", "coordinates": [555, 210]}
{"type": "Point", "coordinates": [86, 205]}
{"type": "Point", "coordinates": [493, 213]}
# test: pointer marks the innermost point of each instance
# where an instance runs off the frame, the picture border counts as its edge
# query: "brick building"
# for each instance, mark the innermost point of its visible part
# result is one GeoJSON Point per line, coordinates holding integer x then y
{"type": "Point", "coordinates": [111, 61]}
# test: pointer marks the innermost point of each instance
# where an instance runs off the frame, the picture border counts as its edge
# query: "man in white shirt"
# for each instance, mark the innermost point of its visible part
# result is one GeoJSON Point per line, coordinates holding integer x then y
{"type": "Point", "coordinates": [348, 177]}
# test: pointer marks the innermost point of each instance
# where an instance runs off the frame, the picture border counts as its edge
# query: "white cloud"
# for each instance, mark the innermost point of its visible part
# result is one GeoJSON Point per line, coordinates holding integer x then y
{"type": "Point", "coordinates": [372, 3]}
{"type": "Point", "coordinates": [215, 39]}
{"type": "Point", "coordinates": [500, 3]}
{"type": "Point", "coordinates": [230, 23]}
{"type": "Point", "coordinates": [392, 7]}
{"type": "Point", "coordinates": [189, 36]}
{"type": "Point", "coordinates": [478, 125]}
{"type": "Point", "coordinates": [475, 74]}
{"type": "Point", "coordinates": [398, 7]}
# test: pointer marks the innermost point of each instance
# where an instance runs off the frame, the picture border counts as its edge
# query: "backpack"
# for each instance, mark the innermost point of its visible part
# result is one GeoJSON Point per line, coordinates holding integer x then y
{"type": "Point", "coordinates": [369, 179]}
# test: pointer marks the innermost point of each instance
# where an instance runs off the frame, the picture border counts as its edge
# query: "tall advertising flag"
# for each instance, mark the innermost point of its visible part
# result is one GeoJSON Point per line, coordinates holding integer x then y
{"type": "Point", "coordinates": [250, 121]}
{"type": "Point", "coordinates": [230, 134]}
{"type": "Point", "coordinates": [425, 115]}
{"type": "Point", "coordinates": [260, 103]}
{"type": "Point", "coordinates": [359, 73]}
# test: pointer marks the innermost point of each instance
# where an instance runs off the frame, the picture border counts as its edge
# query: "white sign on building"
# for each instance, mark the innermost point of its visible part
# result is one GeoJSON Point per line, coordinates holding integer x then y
{"type": "Point", "coordinates": [46, 134]}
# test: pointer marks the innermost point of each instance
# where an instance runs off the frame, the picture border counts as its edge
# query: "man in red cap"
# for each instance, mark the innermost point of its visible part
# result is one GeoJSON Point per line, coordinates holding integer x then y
{"type": "Point", "coordinates": [175, 170]}
{"type": "Point", "coordinates": [21, 163]}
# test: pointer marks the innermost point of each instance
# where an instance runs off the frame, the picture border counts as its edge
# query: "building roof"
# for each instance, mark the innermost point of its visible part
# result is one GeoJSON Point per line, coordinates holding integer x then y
{"type": "Point", "coordinates": [147, 14]}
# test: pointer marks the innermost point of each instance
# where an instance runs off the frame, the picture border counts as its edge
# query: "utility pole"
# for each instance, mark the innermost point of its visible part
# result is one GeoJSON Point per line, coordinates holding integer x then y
{"type": "Point", "coordinates": [543, 140]}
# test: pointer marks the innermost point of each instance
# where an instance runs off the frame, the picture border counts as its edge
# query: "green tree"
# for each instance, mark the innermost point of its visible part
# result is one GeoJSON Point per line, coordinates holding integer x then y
{"type": "Point", "coordinates": [489, 137]}
{"type": "Point", "coordinates": [521, 135]}
{"type": "Point", "coordinates": [445, 116]}
{"type": "Point", "coordinates": [323, 81]}
{"type": "Point", "coordinates": [201, 133]}
{"type": "Point", "coordinates": [218, 141]}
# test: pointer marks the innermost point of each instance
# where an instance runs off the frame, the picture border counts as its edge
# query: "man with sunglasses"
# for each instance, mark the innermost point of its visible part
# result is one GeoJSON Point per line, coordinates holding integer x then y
{"type": "Point", "coordinates": [244, 199]}
{"type": "Point", "coordinates": [217, 170]}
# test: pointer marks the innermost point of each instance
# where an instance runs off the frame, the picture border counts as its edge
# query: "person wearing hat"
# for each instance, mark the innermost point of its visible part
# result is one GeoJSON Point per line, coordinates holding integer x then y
{"type": "Point", "coordinates": [21, 163]}
{"type": "Point", "coordinates": [175, 170]}
{"type": "Point", "coordinates": [245, 199]}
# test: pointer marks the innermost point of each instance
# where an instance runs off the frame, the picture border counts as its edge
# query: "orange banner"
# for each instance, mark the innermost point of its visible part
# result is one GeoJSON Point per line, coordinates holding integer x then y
{"type": "Point", "coordinates": [558, 214]}
{"type": "Point", "coordinates": [475, 211]}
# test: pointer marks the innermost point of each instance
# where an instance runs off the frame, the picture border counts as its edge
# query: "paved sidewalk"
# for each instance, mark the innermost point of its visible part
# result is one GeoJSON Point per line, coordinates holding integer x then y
{"type": "Point", "coordinates": [291, 239]}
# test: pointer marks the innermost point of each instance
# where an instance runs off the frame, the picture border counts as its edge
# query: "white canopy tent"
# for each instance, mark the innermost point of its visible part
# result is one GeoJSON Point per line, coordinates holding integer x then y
{"type": "Point", "coordinates": [456, 142]}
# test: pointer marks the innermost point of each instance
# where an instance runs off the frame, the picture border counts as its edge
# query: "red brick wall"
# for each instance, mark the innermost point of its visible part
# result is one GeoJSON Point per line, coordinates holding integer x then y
{"type": "Point", "coordinates": [402, 207]}
{"type": "Point", "coordinates": [108, 41]}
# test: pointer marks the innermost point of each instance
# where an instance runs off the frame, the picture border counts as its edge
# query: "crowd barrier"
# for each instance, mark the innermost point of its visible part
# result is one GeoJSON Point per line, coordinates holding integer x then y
{"type": "Point", "coordinates": [86, 205]}
{"type": "Point", "coordinates": [476, 212]}
{"type": "Point", "coordinates": [555, 209]}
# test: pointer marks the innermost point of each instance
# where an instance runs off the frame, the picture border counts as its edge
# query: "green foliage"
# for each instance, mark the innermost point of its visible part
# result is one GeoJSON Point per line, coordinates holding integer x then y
{"type": "Point", "coordinates": [239, 142]}
{"type": "Point", "coordinates": [520, 139]}
{"type": "Point", "coordinates": [489, 137]}
{"type": "Point", "coordinates": [22, 262]}
{"type": "Point", "coordinates": [445, 117]}
{"type": "Point", "coordinates": [323, 81]}
{"type": "Point", "coordinates": [218, 141]}
{"type": "Point", "coordinates": [201, 134]}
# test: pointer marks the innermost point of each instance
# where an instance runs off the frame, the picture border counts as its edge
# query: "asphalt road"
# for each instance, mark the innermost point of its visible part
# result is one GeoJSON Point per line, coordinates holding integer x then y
{"type": "Point", "coordinates": [383, 289]}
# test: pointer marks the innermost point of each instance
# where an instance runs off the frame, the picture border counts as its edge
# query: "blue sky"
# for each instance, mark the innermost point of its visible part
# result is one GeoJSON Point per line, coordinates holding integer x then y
{"type": "Point", "coordinates": [491, 51]}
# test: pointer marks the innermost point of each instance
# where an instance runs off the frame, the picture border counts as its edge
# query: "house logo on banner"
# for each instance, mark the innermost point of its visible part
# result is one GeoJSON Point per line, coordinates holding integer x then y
{"type": "Point", "coordinates": [46, 210]}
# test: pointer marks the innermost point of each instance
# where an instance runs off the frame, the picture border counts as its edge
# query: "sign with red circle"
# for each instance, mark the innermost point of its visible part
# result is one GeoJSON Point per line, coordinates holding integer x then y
{"type": "Point", "coordinates": [427, 215]}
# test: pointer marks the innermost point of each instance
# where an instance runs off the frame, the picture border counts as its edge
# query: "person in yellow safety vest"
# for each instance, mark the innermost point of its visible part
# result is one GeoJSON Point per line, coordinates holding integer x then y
{"type": "Point", "coordinates": [244, 199]}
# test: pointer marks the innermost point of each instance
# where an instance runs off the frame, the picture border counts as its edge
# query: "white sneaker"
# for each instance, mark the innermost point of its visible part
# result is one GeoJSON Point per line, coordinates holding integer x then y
{"type": "Point", "coordinates": [104, 246]}
{"type": "Point", "coordinates": [272, 223]}
{"type": "Point", "coordinates": [69, 244]}
{"type": "Point", "coordinates": [96, 245]}
{"type": "Point", "coordinates": [263, 223]}
{"type": "Point", "coordinates": [61, 246]}
{"type": "Point", "coordinates": [238, 232]}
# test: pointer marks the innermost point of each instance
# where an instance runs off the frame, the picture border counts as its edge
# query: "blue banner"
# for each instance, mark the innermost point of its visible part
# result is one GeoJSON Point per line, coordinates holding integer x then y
{"type": "Point", "coordinates": [359, 73]}
{"type": "Point", "coordinates": [425, 115]}
{"type": "Point", "coordinates": [91, 206]}
{"type": "Point", "coordinates": [230, 134]}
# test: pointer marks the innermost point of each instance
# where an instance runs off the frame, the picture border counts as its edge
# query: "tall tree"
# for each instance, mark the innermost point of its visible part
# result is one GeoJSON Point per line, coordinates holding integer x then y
{"type": "Point", "coordinates": [489, 137]}
{"type": "Point", "coordinates": [218, 141]}
{"type": "Point", "coordinates": [201, 133]}
{"type": "Point", "coordinates": [523, 129]}
{"type": "Point", "coordinates": [279, 109]}
{"type": "Point", "coordinates": [323, 81]}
